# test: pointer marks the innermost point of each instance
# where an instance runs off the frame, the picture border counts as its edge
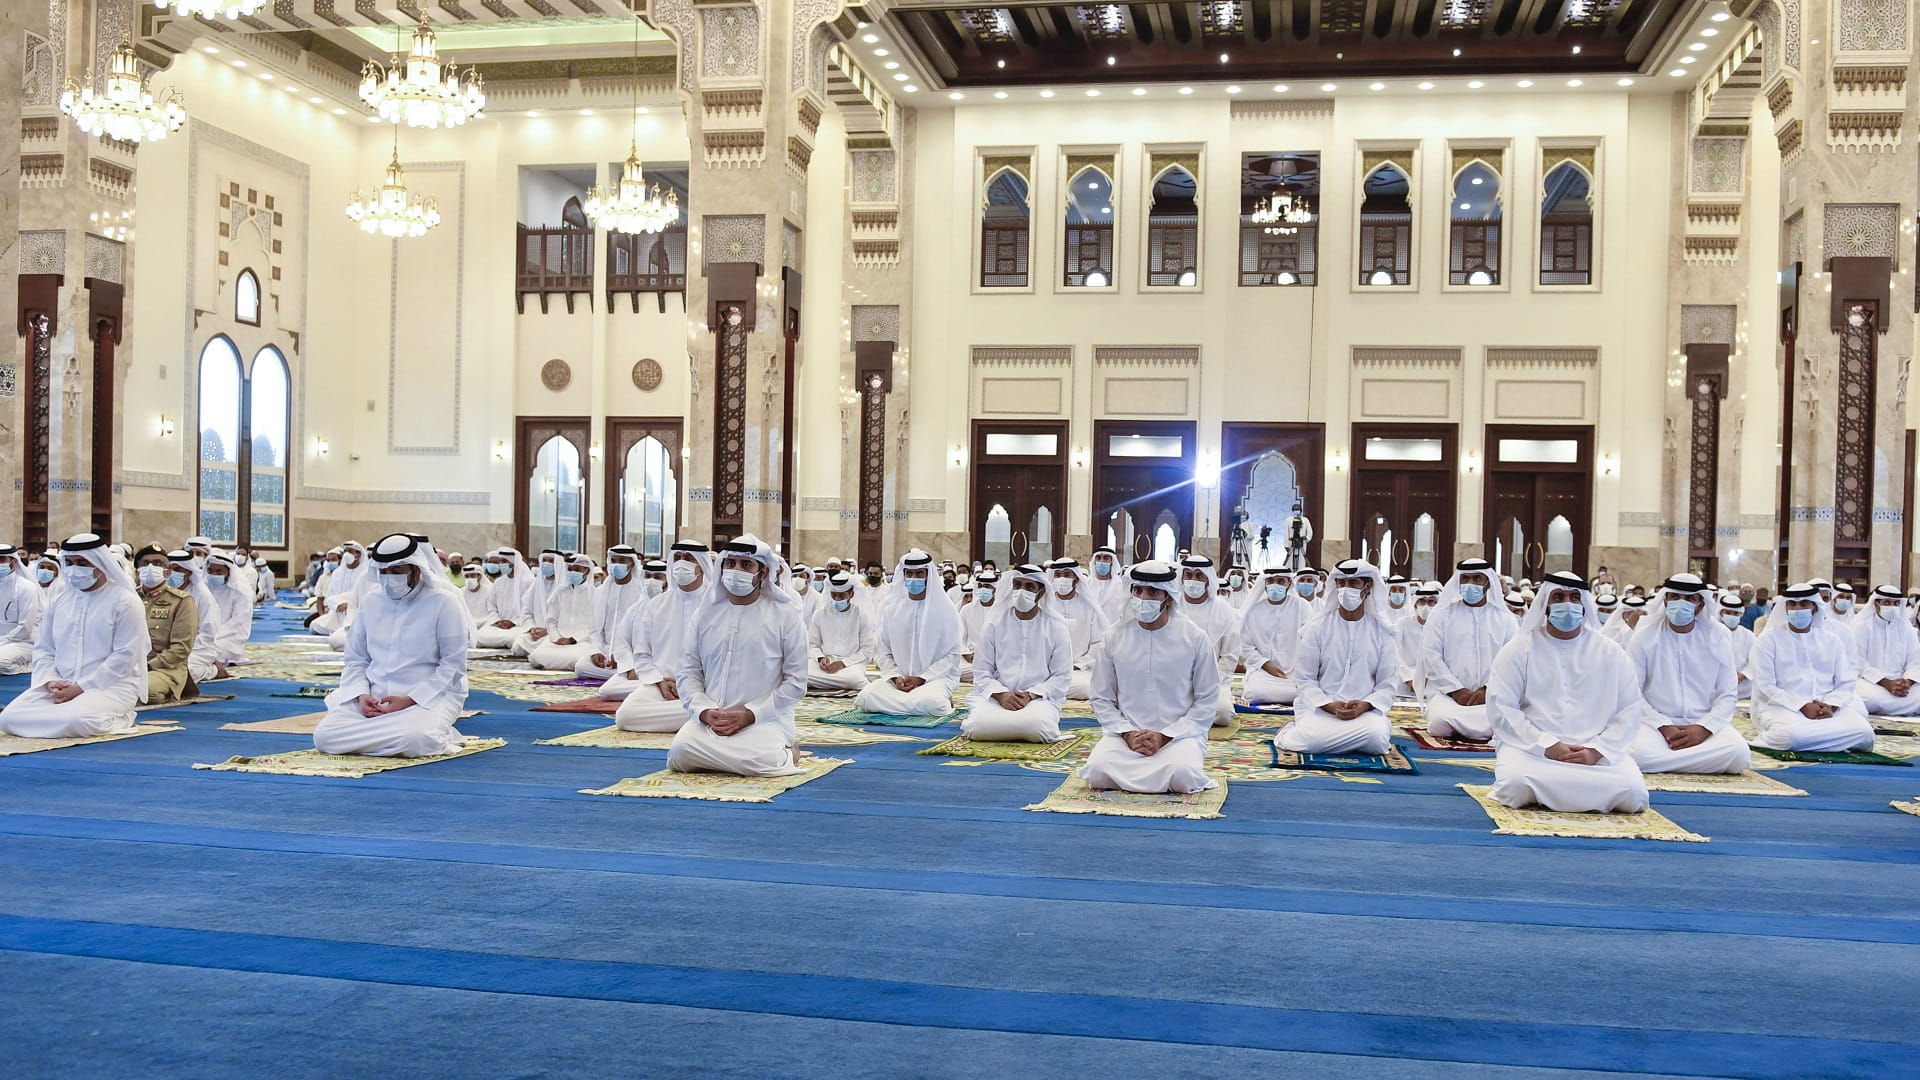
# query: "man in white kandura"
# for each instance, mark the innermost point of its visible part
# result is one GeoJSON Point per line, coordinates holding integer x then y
{"type": "Point", "coordinates": [917, 646]}
{"type": "Point", "coordinates": [839, 640]}
{"type": "Point", "coordinates": [1732, 607]}
{"type": "Point", "coordinates": [1346, 668]}
{"type": "Point", "coordinates": [1469, 626]}
{"type": "Point", "coordinates": [1086, 623]}
{"type": "Point", "coordinates": [1684, 657]}
{"type": "Point", "coordinates": [90, 663]}
{"type": "Point", "coordinates": [1805, 685]}
{"type": "Point", "coordinates": [1270, 639]}
{"type": "Point", "coordinates": [473, 593]}
{"type": "Point", "coordinates": [1889, 652]}
{"type": "Point", "coordinates": [548, 575]}
{"type": "Point", "coordinates": [509, 604]}
{"type": "Point", "coordinates": [342, 590]}
{"type": "Point", "coordinates": [184, 573]}
{"type": "Point", "coordinates": [20, 610]}
{"type": "Point", "coordinates": [1155, 688]}
{"type": "Point", "coordinates": [1566, 708]}
{"type": "Point", "coordinates": [652, 644]}
{"type": "Point", "coordinates": [1021, 673]}
{"type": "Point", "coordinates": [405, 679]}
{"type": "Point", "coordinates": [1221, 623]}
{"type": "Point", "coordinates": [624, 588]}
{"type": "Point", "coordinates": [745, 668]}
{"type": "Point", "coordinates": [1105, 586]}
{"type": "Point", "coordinates": [569, 621]}
{"type": "Point", "coordinates": [981, 608]}
{"type": "Point", "coordinates": [1408, 634]}
{"type": "Point", "coordinates": [236, 604]}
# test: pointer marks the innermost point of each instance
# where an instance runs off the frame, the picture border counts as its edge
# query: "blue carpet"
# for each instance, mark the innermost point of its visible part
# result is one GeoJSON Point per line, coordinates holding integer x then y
{"type": "Point", "coordinates": [904, 918]}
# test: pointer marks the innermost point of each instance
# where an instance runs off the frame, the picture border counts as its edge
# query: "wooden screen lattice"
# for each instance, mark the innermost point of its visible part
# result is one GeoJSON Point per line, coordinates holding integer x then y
{"type": "Point", "coordinates": [1003, 256]}
{"type": "Point", "coordinates": [1089, 250]}
{"type": "Point", "coordinates": [1173, 248]}
{"type": "Point", "coordinates": [1566, 251]}
{"type": "Point", "coordinates": [730, 425]}
{"type": "Point", "coordinates": [1265, 256]}
{"type": "Point", "coordinates": [1703, 470]}
{"type": "Point", "coordinates": [873, 460]}
{"type": "Point", "coordinates": [1474, 246]}
{"type": "Point", "coordinates": [1853, 452]}
{"type": "Point", "coordinates": [1386, 242]}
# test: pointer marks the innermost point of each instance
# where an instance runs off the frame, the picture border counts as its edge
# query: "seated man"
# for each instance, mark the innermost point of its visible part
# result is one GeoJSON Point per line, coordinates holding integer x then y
{"type": "Point", "coordinates": [405, 679]}
{"type": "Point", "coordinates": [569, 620]}
{"type": "Point", "coordinates": [343, 590]}
{"type": "Point", "coordinates": [1805, 694]}
{"type": "Point", "coordinates": [839, 640]}
{"type": "Point", "coordinates": [982, 606]}
{"type": "Point", "coordinates": [235, 605]}
{"type": "Point", "coordinates": [473, 593]}
{"type": "Point", "coordinates": [1345, 669]}
{"type": "Point", "coordinates": [1109, 592]}
{"type": "Point", "coordinates": [1733, 613]}
{"type": "Point", "coordinates": [20, 610]}
{"type": "Point", "coordinates": [509, 605]}
{"type": "Point", "coordinates": [1889, 653]}
{"type": "Point", "coordinates": [745, 667]}
{"type": "Point", "coordinates": [624, 589]}
{"type": "Point", "coordinates": [89, 665]}
{"type": "Point", "coordinates": [1467, 629]}
{"type": "Point", "coordinates": [1684, 658]}
{"type": "Point", "coordinates": [1408, 633]}
{"type": "Point", "coordinates": [653, 646]}
{"type": "Point", "coordinates": [184, 572]}
{"type": "Point", "coordinates": [1269, 638]}
{"type": "Point", "coordinates": [1566, 708]}
{"type": "Point", "coordinates": [917, 646]}
{"type": "Point", "coordinates": [1155, 685]}
{"type": "Point", "coordinates": [1021, 672]}
{"type": "Point", "coordinates": [173, 628]}
{"type": "Point", "coordinates": [548, 577]}
{"type": "Point", "coordinates": [1086, 623]}
{"type": "Point", "coordinates": [1199, 603]}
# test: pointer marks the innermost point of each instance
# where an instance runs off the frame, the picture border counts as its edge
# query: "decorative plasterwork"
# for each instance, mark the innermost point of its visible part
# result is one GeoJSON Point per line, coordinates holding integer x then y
{"type": "Point", "coordinates": [37, 82]}
{"type": "Point", "coordinates": [1792, 140]}
{"type": "Point", "coordinates": [1635, 519]}
{"type": "Point", "coordinates": [1540, 356]}
{"type": "Point", "coordinates": [876, 322]}
{"type": "Point", "coordinates": [436, 498]}
{"type": "Point", "coordinates": [808, 15]}
{"type": "Point", "coordinates": [1400, 157]}
{"type": "Point", "coordinates": [1769, 20]}
{"type": "Point", "coordinates": [1020, 165]}
{"type": "Point", "coordinates": [1463, 156]}
{"type": "Point", "coordinates": [1797, 238]}
{"type": "Point", "coordinates": [1869, 78]}
{"type": "Point", "coordinates": [926, 506]}
{"type": "Point", "coordinates": [1021, 355]}
{"type": "Point", "coordinates": [1854, 130]}
{"type": "Point", "coordinates": [1872, 25]}
{"type": "Point", "coordinates": [873, 176]}
{"type": "Point", "coordinates": [1719, 166]}
{"type": "Point", "coordinates": [1281, 110]}
{"type": "Point", "coordinates": [726, 149]}
{"type": "Point", "coordinates": [1165, 159]}
{"type": "Point", "coordinates": [1708, 324]}
{"type": "Point", "coordinates": [1103, 162]}
{"type": "Point", "coordinates": [1780, 97]}
{"type": "Point", "coordinates": [733, 238]}
{"type": "Point", "coordinates": [1791, 33]}
{"type": "Point", "coordinates": [1551, 158]}
{"type": "Point", "coordinates": [1711, 249]}
{"type": "Point", "coordinates": [106, 259]}
{"type": "Point", "coordinates": [1372, 356]}
{"type": "Point", "coordinates": [43, 251]}
{"type": "Point", "coordinates": [1713, 215]}
{"type": "Point", "coordinates": [676, 18]}
{"type": "Point", "coordinates": [1756, 521]}
{"type": "Point", "coordinates": [1148, 355]}
{"type": "Point", "coordinates": [830, 504]}
{"type": "Point", "coordinates": [1861, 230]}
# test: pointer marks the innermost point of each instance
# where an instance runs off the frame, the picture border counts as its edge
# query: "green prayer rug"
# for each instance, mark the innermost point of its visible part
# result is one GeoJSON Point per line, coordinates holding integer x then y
{"type": "Point", "coordinates": [855, 717]}
{"type": "Point", "coordinates": [1073, 796]}
{"type": "Point", "coordinates": [962, 746]}
{"type": "Point", "coordinates": [1851, 757]}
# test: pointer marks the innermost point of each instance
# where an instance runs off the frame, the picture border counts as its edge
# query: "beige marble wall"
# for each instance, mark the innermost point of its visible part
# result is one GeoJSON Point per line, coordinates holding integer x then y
{"type": "Point", "coordinates": [15, 21]}
{"type": "Point", "coordinates": [319, 534]}
{"type": "Point", "coordinates": [1629, 565]}
{"type": "Point", "coordinates": [165, 527]}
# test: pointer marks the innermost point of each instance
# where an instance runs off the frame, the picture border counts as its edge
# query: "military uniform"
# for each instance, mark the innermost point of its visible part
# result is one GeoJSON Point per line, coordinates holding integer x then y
{"type": "Point", "coordinates": [173, 620]}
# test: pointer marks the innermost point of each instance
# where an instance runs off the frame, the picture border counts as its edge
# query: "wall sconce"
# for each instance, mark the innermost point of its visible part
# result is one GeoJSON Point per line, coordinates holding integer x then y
{"type": "Point", "coordinates": [959, 456]}
{"type": "Point", "coordinates": [594, 451]}
{"type": "Point", "coordinates": [320, 446]}
{"type": "Point", "coordinates": [499, 450]}
{"type": "Point", "coordinates": [166, 426]}
{"type": "Point", "coordinates": [1206, 474]}
{"type": "Point", "coordinates": [1470, 461]}
{"type": "Point", "coordinates": [1080, 457]}
{"type": "Point", "coordinates": [1337, 460]}
{"type": "Point", "coordinates": [686, 453]}
{"type": "Point", "coordinates": [547, 485]}
{"type": "Point", "coordinates": [1608, 464]}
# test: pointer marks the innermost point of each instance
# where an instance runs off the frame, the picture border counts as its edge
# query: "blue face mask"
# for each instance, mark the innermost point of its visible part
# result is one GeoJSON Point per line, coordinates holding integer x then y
{"type": "Point", "coordinates": [177, 579]}
{"type": "Point", "coordinates": [916, 586]}
{"type": "Point", "coordinates": [619, 571]}
{"type": "Point", "coordinates": [45, 575]}
{"type": "Point", "coordinates": [842, 605]}
{"type": "Point", "coordinates": [1473, 594]}
{"type": "Point", "coordinates": [6, 569]}
{"type": "Point", "coordinates": [575, 577]}
{"type": "Point", "coordinates": [1276, 593]}
{"type": "Point", "coordinates": [1799, 618]}
{"type": "Point", "coordinates": [1565, 617]}
{"type": "Point", "coordinates": [984, 594]}
{"type": "Point", "coordinates": [1680, 613]}
{"type": "Point", "coordinates": [547, 569]}
{"type": "Point", "coordinates": [1305, 589]}
{"type": "Point", "coordinates": [495, 569]}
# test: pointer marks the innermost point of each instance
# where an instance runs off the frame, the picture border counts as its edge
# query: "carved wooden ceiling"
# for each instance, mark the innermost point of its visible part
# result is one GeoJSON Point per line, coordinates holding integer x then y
{"type": "Point", "coordinates": [1025, 43]}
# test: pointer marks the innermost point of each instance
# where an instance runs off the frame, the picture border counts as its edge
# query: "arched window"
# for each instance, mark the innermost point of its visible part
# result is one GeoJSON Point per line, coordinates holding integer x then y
{"type": "Point", "coordinates": [1386, 227]}
{"type": "Point", "coordinates": [1279, 233]}
{"type": "Point", "coordinates": [1473, 249]}
{"type": "Point", "coordinates": [1087, 260]}
{"type": "Point", "coordinates": [1566, 226]}
{"type": "Point", "coordinates": [1173, 229]}
{"type": "Point", "coordinates": [999, 537]}
{"type": "Point", "coordinates": [246, 298]}
{"type": "Point", "coordinates": [219, 427]}
{"type": "Point", "coordinates": [269, 402]}
{"type": "Point", "coordinates": [555, 510]}
{"type": "Point", "coordinates": [649, 498]}
{"type": "Point", "coordinates": [1004, 231]}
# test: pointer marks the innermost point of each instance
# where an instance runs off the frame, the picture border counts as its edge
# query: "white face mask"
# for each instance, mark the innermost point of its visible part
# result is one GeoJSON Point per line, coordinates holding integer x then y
{"type": "Point", "coordinates": [983, 594]}
{"type": "Point", "coordinates": [1888, 612]}
{"type": "Point", "coordinates": [1349, 597]}
{"type": "Point", "coordinates": [682, 573]}
{"type": "Point", "coordinates": [1023, 601]}
{"type": "Point", "coordinates": [150, 576]}
{"type": "Point", "coordinates": [1146, 610]}
{"type": "Point", "coordinates": [1195, 589]}
{"type": "Point", "coordinates": [473, 584]}
{"type": "Point", "coordinates": [395, 585]}
{"type": "Point", "coordinates": [1062, 586]}
{"type": "Point", "coordinates": [619, 571]}
{"type": "Point", "coordinates": [1276, 593]}
{"type": "Point", "coordinates": [80, 577]}
{"type": "Point", "coordinates": [737, 582]}
{"type": "Point", "coordinates": [1397, 599]}
{"type": "Point", "coordinates": [575, 577]}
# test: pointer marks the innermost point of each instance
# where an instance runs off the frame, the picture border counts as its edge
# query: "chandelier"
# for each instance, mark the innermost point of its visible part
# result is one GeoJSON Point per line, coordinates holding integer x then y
{"type": "Point", "coordinates": [631, 206]}
{"type": "Point", "coordinates": [420, 91]}
{"type": "Point", "coordinates": [210, 9]}
{"type": "Point", "coordinates": [393, 210]}
{"type": "Point", "coordinates": [1282, 214]}
{"type": "Point", "coordinates": [127, 110]}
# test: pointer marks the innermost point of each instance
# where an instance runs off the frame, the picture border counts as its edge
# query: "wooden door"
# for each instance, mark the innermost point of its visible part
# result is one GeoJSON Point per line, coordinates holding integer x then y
{"type": "Point", "coordinates": [1539, 512]}
{"type": "Point", "coordinates": [1019, 505]}
{"type": "Point", "coordinates": [1404, 497]}
{"type": "Point", "coordinates": [1143, 485]}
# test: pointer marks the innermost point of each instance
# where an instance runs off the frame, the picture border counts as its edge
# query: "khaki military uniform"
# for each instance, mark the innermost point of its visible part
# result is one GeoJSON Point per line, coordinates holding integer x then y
{"type": "Point", "coordinates": [172, 622]}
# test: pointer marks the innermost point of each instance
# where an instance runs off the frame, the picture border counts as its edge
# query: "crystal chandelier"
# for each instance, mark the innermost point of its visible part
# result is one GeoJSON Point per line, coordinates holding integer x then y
{"type": "Point", "coordinates": [393, 210]}
{"type": "Point", "coordinates": [210, 9]}
{"type": "Point", "coordinates": [1282, 214]}
{"type": "Point", "coordinates": [127, 110]}
{"type": "Point", "coordinates": [419, 90]}
{"type": "Point", "coordinates": [631, 206]}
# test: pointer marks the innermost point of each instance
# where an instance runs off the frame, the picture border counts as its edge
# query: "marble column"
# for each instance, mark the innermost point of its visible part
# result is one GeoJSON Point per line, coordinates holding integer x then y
{"type": "Point", "coordinates": [27, 63]}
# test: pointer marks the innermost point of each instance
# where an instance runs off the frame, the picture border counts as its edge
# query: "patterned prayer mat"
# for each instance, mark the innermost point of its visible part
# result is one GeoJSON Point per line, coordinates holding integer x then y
{"type": "Point", "coordinates": [1224, 732]}
{"type": "Point", "coordinates": [306, 692]}
{"type": "Point", "coordinates": [1074, 797]}
{"type": "Point", "coordinates": [1856, 757]}
{"type": "Point", "coordinates": [14, 744]}
{"type": "Point", "coordinates": [1076, 743]}
{"type": "Point", "coordinates": [1406, 712]}
{"type": "Point", "coordinates": [1745, 783]}
{"type": "Point", "coordinates": [833, 693]}
{"type": "Point", "coordinates": [853, 716]}
{"type": "Point", "coordinates": [596, 704]}
{"type": "Point", "coordinates": [340, 766]}
{"type": "Point", "coordinates": [1427, 740]}
{"type": "Point", "coordinates": [1248, 757]}
{"type": "Point", "coordinates": [1887, 748]}
{"type": "Point", "coordinates": [183, 702]}
{"type": "Point", "coordinates": [1895, 725]}
{"type": "Point", "coordinates": [1907, 807]}
{"type": "Point", "coordinates": [303, 724]}
{"type": "Point", "coordinates": [718, 787]}
{"type": "Point", "coordinates": [572, 680]}
{"type": "Point", "coordinates": [1263, 710]}
{"type": "Point", "coordinates": [1535, 821]}
{"type": "Point", "coordinates": [1393, 761]}
{"type": "Point", "coordinates": [613, 738]}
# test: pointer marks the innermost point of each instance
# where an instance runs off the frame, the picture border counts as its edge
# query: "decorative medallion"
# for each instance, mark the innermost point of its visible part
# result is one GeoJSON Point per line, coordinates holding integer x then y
{"type": "Point", "coordinates": [647, 374]}
{"type": "Point", "coordinates": [555, 375]}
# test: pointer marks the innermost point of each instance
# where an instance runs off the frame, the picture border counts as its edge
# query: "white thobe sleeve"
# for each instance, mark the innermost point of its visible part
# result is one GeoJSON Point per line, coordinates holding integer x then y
{"type": "Point", "coordinates": [1910, 668]}
{"type": "Point", "coordinates": [1724, 691]}
{"type": "Point", "coordinates": [623, 631]}
{"type": "Point", "coordinates": [646, 662]}
{"type": "Point", "coordinates": [883, 650]}
{"type": "Point", "coordinates": [127, 648]}
{"type": "Point", "coordinates": [780, 700]}
{"type": "Point", "coordinates": [986, 664]}
{"type": "Point", "coordinates": [450, 638]}
{"type": "Point", "coordinates": [1506, 694]}
{"type": "Point", "coordinates": [1059, 651]}
{"type": "Point", "coordinates": [1438, 678]}
{"type": "Point", "coordinates": [353, 677]}
{"type": "Point", "coordinates": [946, 666]}
{"type": "Point", "coordinates": [863, 640]}
{"type": "Point", "coordinates": [1306, 670]}
{"type": "Point", "coordinates": [1104, 695]}
{"type": "Point", "coordinates": [691, 680]}
{"type": "Point", "coordinates": [1839, 677]}
{"type": "Point", "coordinates": [1625, 707]}
{"type": "Point", "coordinates": [1227, 649]}
{"type": "Point", "coordinates": [597, 633]}
{"type": "Point", "coordinates": [1252, 648]}
{"type": "Point", "coordinates": [1386, 672]}
{"type": "Point", "coordinates": [1204, 678]}
{"type": "Point", "coordinates": [814, 648]}
{"type": "Point", "coordinates": [1861, 634]}
{"type": "Point", "coordinates": [1096, 637]}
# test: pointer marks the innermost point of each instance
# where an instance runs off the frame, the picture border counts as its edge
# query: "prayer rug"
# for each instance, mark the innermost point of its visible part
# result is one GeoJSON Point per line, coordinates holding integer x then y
{"type": "Point", "coordinates": [340, 766]}
{"type": "Point", "coordinates": [1536, 821]}
{"type": "Point", "coordinates": [1406, 712]}
{"type": "Point", "coordinates": [613, 738]}
{"type": "Point", "coordinates": [596, 704]}
{"type": "Point", "coordinates": [1224, 732]}
{"type": "Point", "coordinates": [1263, 710]}
{"type": "Point", "coordinates": [1427, 740]}
{"type": "Point", "coordinates": [183, 702]}
{"type": "Point", "coordinates": [1895, 725]}
{"type": "Point", "coordinates": [854, 716]}
{"type": "Point", "coordinates": [1907, 807]}
{"type": "Point", "coordinates": [833, 693]}
{"type": "Point", "coordinates": [14, 744]}
{"type": "Point", "coordinates": [302, 724]}
{"type": "Point", "coordinates": [718, 787]}
{"type": "Point", "coordinates": [1393, 761]}
{"type": "Point", "coordinates": [1074, 797]}
{"type": "Point", "coordinates": [1853, 757]}
{"type": "Point", "coordinates": [306, 692]}
{"type": "Point", "coordinates": [1076, 710]}
{"type": "Point", "coordinates": [964, 747]}
{"type": "Point", "coordinates": [574, 680]}
{"type": "Point", "coordinates": [1745, 783]}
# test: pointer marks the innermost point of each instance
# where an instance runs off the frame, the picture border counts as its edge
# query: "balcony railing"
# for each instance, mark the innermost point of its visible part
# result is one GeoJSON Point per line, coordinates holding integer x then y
{"type": "Point", "coordinates": [647, 263]}
{"type": "Point", "coordinates": [553, 261]}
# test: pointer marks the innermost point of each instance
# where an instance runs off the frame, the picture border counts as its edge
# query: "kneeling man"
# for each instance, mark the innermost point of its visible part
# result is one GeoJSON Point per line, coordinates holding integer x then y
{"type": "Point", "coordinates": [1684, 657]}
{"type": "Point", "coordinates": [1348, 663]}
{"type": "Point", "coordinates": [839, 640]}
{"type": "Point", "coordinates": [1155, 687]}
{"type": "Point", "coordinates": [1804, 679]}
{"type": "Point", "coordinates": [90, 664]}
{"type": "Point", "coordinates": [1467, 629]}
{"type": "Point", "coordinates": [1022, 668]}
{"type": "Point", "coordinates": [1889, 652]}
{"type": "Point", "coordinates": [918, 646]}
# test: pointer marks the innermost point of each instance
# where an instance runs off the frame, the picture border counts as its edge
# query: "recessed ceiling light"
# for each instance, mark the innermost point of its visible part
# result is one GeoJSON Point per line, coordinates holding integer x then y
{"type": "Point", "coordinates": [1223, 58]}
{"type": "Point", "coordinates": [1466, 206]}
{"type": "Point", "coordinates": [1093, 93]}
{"type": "Point", "coordinates": [1456, 52]}
{"type": "Point", "coordinates": [533, 114]}
{"type": "Point", "coordinates": [891, 65]}
{"type": "Point", "coordinates": [586, 112]}
{"type": "Point", "coordinates": [871, 39]}
{"type": "Point", "coordinates": [339, 112]}
{"type": "Point", "coordinates": [266, 76]}
{"type": "Point", "coordinates": [1576, 50]}
{"type": "Point", "coordinates": [956, 96]}
{"type": "Point", "coordinates": [1721, 16]}
{"type": "Point", "coordinates": [1815, 41]}
{"type": "Point", "coordinates": [1574, 82]}
{"type": "Point", "coordinates": [1677, 72]}
{"type": "Point", "coordinates": [641, 111]}
{"type": "Point", "coordinates": [1524, 83]}
{"type": "Point", "coordinates": [911, 89]}
{"type": "Point", "coordinates": [1233, 89]}
{"type": "Point", "coordinates": [1698, 46]}
{"type": "Point", "coordinates": [881, 52]}
{"type": "Point", "coordinates": [1106, 209]}
{"type": "Point", "coordinates": [1478, 180]}
{"type": "Point", "coordinates": [1112, 60]}
{"type": "Point", "coordinates": [1139, 91]}
{"type": "Point", "coordinates": [1186, 89]}
{"type": "Point", "coordinates": [315, 101]}
{"type": "Point", "coordinates": [290, 88]}
{"type": "Point", "coordinates": [999, 63]}
{"type": "Point", "coordinates": [209, 50]}
{"type": "Point", "coordinates": [1475, 84]}
{"type": "Point", "coordinates": [899, 77]}
{"type": "Point", "coordinates": [1093, 187]}
{"type": "Point", "coordinates": [1327, 86]}
{"type": "Point", "coordinates": [1709, 32]}
{"type": "Point", "coordinates": [1001, 94]}
{"type": "Point", "coordinates": [1686, 59]}
{"type": "Point", "coordinates": [1426, 86]}
{"type": "Point", "coordinates": [1280, 88]}
{"type": "Point", "coordinates": [1377, 86]}
{"type": "Point", "coordinates": [1046, 93]}
{"type": "Point", "coordinates": [1625, 82]}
